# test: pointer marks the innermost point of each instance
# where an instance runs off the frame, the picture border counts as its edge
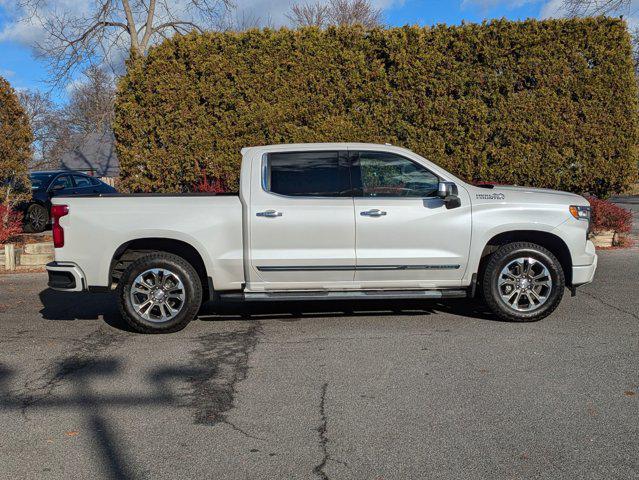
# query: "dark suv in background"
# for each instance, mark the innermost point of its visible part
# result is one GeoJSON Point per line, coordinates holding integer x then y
{"type": "Point", "coordinates": [46, 185]}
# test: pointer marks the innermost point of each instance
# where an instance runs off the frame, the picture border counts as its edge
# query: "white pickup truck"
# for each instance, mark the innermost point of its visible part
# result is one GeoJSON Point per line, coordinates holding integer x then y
{"type": "Point", "coordinates": [325, 221]}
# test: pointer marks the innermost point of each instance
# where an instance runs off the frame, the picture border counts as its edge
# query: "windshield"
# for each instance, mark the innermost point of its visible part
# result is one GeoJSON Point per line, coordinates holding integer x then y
{"type": "Point", "coordinates": [40, 180]}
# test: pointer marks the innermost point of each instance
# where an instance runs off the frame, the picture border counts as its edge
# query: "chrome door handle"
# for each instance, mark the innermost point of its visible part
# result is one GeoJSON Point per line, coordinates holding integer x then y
{"type": "Point", "coordinates": [375, 212]}
{"type": "Point", "coordinates": [269, 214]}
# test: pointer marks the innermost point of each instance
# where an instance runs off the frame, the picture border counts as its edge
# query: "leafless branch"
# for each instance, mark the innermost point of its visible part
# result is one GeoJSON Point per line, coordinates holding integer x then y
{"type": "Point", "coordinates": [309, 15]}
{"type": "Point", "coordinates": [176, 26]}
{"type": "Point", "coordinates": [354, 12]}
{"type": "Point", "coordinates": [106, 31]}
{"type": "Point", "coordinates": [335, 12]}
{"type": "Point", "coordinates": [581, 8]}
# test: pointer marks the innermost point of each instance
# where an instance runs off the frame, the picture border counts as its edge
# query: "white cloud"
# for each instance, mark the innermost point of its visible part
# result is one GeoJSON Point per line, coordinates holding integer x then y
{"type": "Point", "coordinates": [25, 32]}
{"type": "Point", "coordinates": [6, 73]}
{"type": "Point", "coordinates": [486, 4]}
{"type": "Point", "coordinates": [27, 29]}
{"type": "Point", "coordinates": [553, 9]}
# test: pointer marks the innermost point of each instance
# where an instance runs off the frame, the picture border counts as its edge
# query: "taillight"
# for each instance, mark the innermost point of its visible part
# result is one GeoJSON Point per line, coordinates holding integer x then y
{"type": "Point", "coordinates": [57, 212]}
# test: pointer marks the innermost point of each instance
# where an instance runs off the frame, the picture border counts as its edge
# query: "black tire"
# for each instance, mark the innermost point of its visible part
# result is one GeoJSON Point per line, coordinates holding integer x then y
{"type": "Point", "coordinates": [36, 219]}
{"type": "Point", "coordinates": [191, 286]}
{"type": "Point", "coordinates": [504, 257]}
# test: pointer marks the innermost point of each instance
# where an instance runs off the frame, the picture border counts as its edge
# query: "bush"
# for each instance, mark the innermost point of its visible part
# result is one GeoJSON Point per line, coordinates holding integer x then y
{"type": "Point", "coordinates": [15, 148]}
{"type": "Point", "coordinates": [10, 223]}
{"type": "Point", "coordinates": [548, 103]}
{"type": "Point", "coordinates": [608, 216]}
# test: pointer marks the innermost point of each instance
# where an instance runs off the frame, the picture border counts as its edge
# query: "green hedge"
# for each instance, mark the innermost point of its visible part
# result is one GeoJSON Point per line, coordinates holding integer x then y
{"type": "Point", "coordinates": [546, 103]}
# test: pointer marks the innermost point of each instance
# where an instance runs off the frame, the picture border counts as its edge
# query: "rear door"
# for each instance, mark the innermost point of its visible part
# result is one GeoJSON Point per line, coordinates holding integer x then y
{"type": "Point", "coordinates": [83, 185]}
{"type": "Point", "coordinates": [302, 230]}
{"type": "Point", "coordinates": [405, 236]}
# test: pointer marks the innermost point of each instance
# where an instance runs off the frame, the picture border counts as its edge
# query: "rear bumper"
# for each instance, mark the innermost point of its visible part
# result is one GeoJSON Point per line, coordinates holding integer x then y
{"type": "Point", "coordinates": [66, 277]}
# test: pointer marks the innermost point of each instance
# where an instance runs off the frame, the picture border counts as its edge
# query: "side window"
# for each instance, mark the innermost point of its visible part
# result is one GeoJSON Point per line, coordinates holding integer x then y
{"type": "Point", "coordinates": [389, 175]}
{"type": "Point", "coordinates": [63, 181]}
{"type": "Point", "coordinates": [95, 182]}
{"type": "Point", "coordinates": [308, 174]}
{"type": "Point", "coordinates": [81, 181]}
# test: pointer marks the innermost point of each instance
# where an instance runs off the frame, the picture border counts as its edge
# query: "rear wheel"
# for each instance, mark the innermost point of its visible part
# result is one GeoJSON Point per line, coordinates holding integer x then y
{"type": "Point", "coordinates": [36, 219]}
{"type": "Point", "coordinates": [523, 282]}
{"type": "Point", "coordinates": [159, 293]}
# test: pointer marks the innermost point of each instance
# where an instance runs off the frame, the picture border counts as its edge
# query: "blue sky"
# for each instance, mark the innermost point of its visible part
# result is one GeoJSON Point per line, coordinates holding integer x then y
{"type": "Point", "coordinates": [23, 71]}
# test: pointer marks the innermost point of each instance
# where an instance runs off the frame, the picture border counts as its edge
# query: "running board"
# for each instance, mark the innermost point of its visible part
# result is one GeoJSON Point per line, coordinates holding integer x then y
{"type": "Point", "coordinates": [345, 295]}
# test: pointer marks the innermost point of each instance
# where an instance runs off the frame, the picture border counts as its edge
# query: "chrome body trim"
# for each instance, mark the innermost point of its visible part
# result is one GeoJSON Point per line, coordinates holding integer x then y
{"type": "Point", "coordinates": [334, 268]}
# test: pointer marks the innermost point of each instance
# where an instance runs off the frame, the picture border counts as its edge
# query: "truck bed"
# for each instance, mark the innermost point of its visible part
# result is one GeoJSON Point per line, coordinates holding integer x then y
{"type": "Point", "coordinates": [98, 225]}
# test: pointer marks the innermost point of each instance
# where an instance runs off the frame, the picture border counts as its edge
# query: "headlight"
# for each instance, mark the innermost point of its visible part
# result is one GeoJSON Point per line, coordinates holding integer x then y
{"type": "Point", "coordinates": [579, 212]}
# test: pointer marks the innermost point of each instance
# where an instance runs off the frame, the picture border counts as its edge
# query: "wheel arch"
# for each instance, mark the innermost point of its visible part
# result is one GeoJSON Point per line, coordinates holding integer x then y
{"type": "Point", "coordinates": [40, 203]}
{"type": "Point", "coordinates": [548, 240]}
{"type": "Point", "coordinates": [131, 250]}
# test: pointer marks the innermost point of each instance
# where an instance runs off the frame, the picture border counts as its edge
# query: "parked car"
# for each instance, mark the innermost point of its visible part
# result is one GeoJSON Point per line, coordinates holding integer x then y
{"type": "Point", "coordinates": [325, 221]}
{"type": "Point", "coordinates": [46, 185]}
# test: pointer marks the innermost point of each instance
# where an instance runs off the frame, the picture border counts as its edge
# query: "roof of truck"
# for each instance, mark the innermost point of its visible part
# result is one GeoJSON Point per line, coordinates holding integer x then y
{"type": "Point", "coordinates": [323, 146]}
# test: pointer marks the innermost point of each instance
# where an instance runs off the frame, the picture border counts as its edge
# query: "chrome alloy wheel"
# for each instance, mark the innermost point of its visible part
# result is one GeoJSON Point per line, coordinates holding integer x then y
{"type": "Point", "coordinates": [524, 284]}
{"type": "Point", "coordinates": [157, 295]}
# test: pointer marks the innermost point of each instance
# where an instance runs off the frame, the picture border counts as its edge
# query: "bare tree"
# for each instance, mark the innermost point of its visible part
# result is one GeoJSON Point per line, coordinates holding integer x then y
{"type": "Point", "coordinates": [336, 12]}
{"type": "Point", "coordinates": [246, 20]}
{"type": "Point", "coordinates": [354, 12]}
{"type": "Point", "coordinates": [107, 31]}
{"type": "Point", "coordinates": [91, 103]}
{"type": "Point", "coordinates": [580, 8]}
{"type": "Point", "coordinates": [59, 129]}
{"type": "Point", "coordinates": [45, 118]}
{"type": "Point", "coordinates": [309, 15]}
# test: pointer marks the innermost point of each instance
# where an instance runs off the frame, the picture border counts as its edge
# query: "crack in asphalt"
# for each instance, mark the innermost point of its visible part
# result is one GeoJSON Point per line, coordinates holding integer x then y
{"type": "Point", "coordinates": [610, 305]}
{"type": "Point", "coordinates": [83, 355]}
{"type": "Point", "coordinates": [323, 438]}
{"type": "Point", "coordinates": [219, 364]}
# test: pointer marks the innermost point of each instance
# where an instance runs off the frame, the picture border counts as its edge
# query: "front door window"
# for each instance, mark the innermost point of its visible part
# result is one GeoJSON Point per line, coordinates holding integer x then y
{"type": "Point", "coordinates": [389, 175]}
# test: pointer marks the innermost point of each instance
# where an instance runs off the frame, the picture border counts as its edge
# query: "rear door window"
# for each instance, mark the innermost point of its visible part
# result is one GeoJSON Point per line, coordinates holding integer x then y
{"type": "Point", "coordinates": [81, 181]}
{"type": "Point", "coordinates": [308, 174]}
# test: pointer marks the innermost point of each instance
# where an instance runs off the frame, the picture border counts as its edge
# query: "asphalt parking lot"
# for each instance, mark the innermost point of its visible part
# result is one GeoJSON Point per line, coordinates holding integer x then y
{"type": "Point", "coordinates": [399, 390]}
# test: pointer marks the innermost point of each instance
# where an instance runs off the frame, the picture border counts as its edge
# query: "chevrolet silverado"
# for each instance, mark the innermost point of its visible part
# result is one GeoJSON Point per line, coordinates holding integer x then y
{"type": "Point", "coordinates": [325, 221]}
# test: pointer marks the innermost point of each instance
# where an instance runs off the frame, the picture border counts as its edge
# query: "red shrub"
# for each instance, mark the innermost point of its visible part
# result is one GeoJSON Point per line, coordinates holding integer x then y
{"type": "Point", "coordinates": [608, 216]}
{"type": "Point", "coordinates": [13, 226]}
{"type": "Point", "coordinates": [209, 186]}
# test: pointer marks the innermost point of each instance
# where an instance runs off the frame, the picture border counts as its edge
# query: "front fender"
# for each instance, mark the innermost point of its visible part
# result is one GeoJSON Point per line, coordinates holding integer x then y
{"type": "Point", "coordinates": [490, 220]}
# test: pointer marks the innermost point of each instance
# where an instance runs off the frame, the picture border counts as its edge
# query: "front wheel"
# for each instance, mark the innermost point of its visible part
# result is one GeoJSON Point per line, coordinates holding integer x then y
{"type": "Point", "coordinates": [523, 282]}
{"type": "Point", "coordinates": [159, 293]}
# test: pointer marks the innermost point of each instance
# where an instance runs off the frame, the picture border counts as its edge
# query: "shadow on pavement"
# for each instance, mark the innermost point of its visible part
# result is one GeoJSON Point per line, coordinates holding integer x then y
{"type": "Point", "coordinates": [81, 374]}
{"type": "Point", "coordinates": [66, 306]}
{"type": "Point", "coordinates": [91, 306]}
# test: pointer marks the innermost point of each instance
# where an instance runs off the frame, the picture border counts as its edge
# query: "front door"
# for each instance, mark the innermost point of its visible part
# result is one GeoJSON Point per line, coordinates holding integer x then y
{"type": "Point", "coordinates": [302, 231]}
{"type": "Point", "coordinates": [62, 185]}
{"type": "Point", "coordinates": [405, 236]}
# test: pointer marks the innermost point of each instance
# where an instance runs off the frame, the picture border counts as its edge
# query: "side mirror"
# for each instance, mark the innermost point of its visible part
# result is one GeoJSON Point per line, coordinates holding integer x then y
{"type": "Point", "coordinates": [448, 192]}
{"type": "Point", "coordinates": [57, 187]}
